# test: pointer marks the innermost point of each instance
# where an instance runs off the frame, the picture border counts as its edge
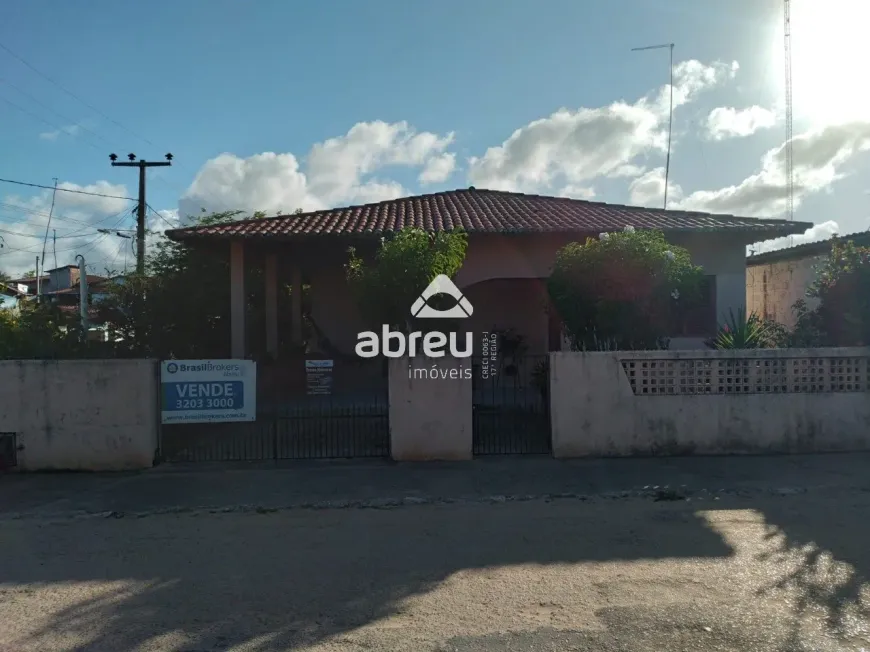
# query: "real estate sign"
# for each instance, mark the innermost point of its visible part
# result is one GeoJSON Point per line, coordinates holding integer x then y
{"type": "Point", "coordinates": [208, 391]}
{"type": "Point", "coordinates": [318, 377]}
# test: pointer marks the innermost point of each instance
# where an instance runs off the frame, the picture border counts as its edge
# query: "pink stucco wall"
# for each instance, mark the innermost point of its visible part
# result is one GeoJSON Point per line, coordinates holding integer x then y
{"type": "Point", "coordinates": [503, 279]}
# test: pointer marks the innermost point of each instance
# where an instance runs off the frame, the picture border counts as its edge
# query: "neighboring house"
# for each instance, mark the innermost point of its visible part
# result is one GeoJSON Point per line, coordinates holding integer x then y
{"type": "Point", "coordinates": [61, 287]}
{"type": "Point", "coordinates": [775, 280]}
{"type": "Point", "coordinates": [513, 240]}
{"type": "Point", "coordinates": [57, 283]}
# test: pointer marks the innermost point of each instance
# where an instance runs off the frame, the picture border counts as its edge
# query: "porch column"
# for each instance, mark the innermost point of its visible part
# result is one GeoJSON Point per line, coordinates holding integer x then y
{"type": "Point", "coordinates": [272, 305]}
{"type": "Point", "coordinates": [296, 304]}
{"type": "Point", "coordinates": [237, 299]}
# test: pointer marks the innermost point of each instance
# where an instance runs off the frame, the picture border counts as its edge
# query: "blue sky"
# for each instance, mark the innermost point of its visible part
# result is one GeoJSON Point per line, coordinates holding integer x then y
{"type": "Point", "coordinates": [276, 105]}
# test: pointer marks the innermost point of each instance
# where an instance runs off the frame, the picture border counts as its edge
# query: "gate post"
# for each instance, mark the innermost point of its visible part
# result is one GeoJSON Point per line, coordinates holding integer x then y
{"type": "Point", "coordinates": [430, 409]}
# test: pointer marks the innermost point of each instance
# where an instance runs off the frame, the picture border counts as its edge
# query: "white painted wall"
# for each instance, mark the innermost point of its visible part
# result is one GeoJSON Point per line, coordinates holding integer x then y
{"type": "Point", "coordinates": [94, 415]}
{"type": "Point", "coordinates": [725, 257]}
{"type": "Point", "coordinates": [430, 417]}
{"type": "Point", "coordinates": [594, 411]}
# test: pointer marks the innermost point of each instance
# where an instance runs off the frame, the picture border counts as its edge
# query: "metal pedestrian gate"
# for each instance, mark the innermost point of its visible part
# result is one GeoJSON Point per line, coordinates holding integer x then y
{"type": "Point", "coordinates": [511, 406]}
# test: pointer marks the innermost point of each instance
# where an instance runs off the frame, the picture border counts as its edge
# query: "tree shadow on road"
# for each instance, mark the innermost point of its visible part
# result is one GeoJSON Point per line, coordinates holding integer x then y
{"type": "Point", "coordinates": [285, 579]}
{"type": "Point", "coordinates": [820, 561]}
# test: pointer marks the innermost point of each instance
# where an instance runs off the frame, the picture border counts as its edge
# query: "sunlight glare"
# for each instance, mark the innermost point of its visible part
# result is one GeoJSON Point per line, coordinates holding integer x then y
{"type": "Point", "coordinates": [830, 60]}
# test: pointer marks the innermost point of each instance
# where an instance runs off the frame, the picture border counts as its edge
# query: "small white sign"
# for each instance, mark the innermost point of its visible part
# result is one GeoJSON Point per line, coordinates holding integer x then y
{"type": "Point", "coordinates": [208, 391]}
{"type": "Point", "coordinates": [22, 288]}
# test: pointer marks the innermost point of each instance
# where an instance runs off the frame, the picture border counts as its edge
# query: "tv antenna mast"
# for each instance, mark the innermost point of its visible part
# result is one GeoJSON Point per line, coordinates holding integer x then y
{"type": "Point", "coordinates": [789, 150]}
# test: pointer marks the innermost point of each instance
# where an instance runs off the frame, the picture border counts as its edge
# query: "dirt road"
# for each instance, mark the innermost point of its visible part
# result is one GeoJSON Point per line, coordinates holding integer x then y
{"type": "Point", "coordinates": [774, 571]}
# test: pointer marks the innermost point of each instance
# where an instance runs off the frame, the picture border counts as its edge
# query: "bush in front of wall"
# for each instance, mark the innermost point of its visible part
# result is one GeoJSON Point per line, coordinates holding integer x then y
{"type": "Point", "coordinates": [623, 291]}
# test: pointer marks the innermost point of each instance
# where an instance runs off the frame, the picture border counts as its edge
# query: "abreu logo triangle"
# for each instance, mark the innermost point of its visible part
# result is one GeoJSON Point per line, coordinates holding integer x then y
{"type": "Point", "coordinates": [442, 285]}
{"type": "Point", "coordinates": [433, 344]}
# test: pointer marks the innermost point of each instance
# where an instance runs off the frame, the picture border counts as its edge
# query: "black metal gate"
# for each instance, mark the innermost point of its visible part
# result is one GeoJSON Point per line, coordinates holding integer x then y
{"type": "Point", "coordinates": [511, 406]}
{"type": "Point", "coordinates": [352, 420]}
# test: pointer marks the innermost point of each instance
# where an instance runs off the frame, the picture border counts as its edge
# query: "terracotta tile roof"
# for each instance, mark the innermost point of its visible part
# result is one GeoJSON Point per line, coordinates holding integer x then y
{"type": "Point", "coordinates": [484, 211]}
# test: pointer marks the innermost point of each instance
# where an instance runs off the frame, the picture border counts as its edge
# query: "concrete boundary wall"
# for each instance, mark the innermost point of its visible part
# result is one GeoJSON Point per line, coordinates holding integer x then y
{"type": "Point", "coordinates": [430, 409]}
{"type": "Point", "coordinates": [710, 402]}
{"type": "Point", "coordinates": [93, 415]}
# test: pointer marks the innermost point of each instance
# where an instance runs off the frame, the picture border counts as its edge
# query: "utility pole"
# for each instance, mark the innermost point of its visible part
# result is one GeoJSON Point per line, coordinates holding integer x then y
{"type": "Point", "coordinates": [45, 239]}
{"type": "Point", "coordinates": [54, 245]}
{"type": "Point", "coordinates": [670, 112]}
{"type": "Point", "coordinates": [141, 208]}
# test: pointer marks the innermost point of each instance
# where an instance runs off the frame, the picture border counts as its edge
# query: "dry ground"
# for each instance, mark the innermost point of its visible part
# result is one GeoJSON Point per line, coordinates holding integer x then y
{"type": "Point", "coordinates": [783, 571]}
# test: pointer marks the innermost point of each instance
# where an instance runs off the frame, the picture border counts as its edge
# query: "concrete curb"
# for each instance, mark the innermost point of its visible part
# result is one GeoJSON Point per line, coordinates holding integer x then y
{"type": "Point", "coordinates": [654, 493]}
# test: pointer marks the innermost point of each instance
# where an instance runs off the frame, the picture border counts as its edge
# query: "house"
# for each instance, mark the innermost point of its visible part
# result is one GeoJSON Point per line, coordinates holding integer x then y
{"type": "Point", "coordinates": [513, 239]}
{"type": "Point", "coordinates": [775, 280]}
{"type": "Point", "coordinates": [61, 287]}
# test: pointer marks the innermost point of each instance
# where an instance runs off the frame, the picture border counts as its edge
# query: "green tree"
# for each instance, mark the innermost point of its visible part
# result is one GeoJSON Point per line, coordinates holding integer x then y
{"type": "Point", "coordinates": [184, 296]}
{"type": "Point", "coordinates": [41, 331]}
{"type": "Point", "coordinates": [403, 265]}
{"type": "Point", "coordinates": [842, 287]}
{"type": "Point", "coordinates": [186, 301]}
{"type": "Point", "coordinates": [623, 290]}
{"type": "Point", "coordinates": [29, 274]}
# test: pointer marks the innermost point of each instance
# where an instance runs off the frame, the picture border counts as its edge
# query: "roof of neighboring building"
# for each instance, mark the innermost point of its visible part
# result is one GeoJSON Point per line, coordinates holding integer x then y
{"type": "Point", "coordinates": [74, 288]}
{"type": "Point", "coordinates": [484, 211]}
{"type": "Point", "coordinates": [808, 250]}
{"type": "Point", "coordinates": [10, 290]}
{"type": "Point", "coordinates": [29, 280]}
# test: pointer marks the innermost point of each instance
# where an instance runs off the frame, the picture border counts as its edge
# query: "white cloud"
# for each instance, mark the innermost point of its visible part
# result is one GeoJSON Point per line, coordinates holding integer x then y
{"type": "Point", "coordinates": [75, 218]}
{"type": "Point", "coordinates": [438, 169]}
{"type": "Point", "coordinates": [823, 231]}
{"type": "Point", "coordinates": [337, 171]}
{"type": "Point", "coordinates": [627, 170]}
{"type": "Point", "coordinates": [818, 157]}
{"type": "Point", "coordinates": [648, 189]}
{"type": "Point", "coordinates": [728, 122]}
{"type": "Point", "coordinates": [70, 130]}
{"type": "Point", "coordinates": [159, 221]}
{"type": "Point", "coordinates": [579, 145]}
{"type": "Point", "coordinates": [375, 191]}
{"type": "Point", "coordinates": [577, 192]}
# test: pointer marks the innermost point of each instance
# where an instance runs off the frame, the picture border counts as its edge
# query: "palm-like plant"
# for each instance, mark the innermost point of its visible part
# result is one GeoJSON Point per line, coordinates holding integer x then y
{"type": "Point", "coordinates": [742, 332]}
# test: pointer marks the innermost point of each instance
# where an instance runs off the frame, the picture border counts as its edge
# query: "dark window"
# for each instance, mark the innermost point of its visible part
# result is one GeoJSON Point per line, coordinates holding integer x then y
{"type": "Point", "coordinates": [700, 320]}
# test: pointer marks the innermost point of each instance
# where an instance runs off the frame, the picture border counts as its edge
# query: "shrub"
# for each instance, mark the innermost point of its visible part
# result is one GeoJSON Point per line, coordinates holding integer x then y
{"type": "Point", "coordinates": [753, 332]}
{"type": "Point", "coordinates": [624, 290]}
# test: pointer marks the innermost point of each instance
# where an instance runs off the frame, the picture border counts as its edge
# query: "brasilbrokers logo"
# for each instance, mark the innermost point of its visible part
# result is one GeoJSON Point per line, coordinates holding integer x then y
{"type": "Point", "coordinates": [394, 344]}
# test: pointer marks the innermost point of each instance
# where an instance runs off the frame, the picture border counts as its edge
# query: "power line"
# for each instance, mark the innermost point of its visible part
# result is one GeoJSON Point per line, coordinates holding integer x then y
{"type": "Point", "coordinates": [75, 123]}
{"type": "Point", "coordinates": [77, 192]}
{"type": "Point", "coordinates": [48, 224]}
{"type": "Point", "coordinates": [31, 211]}
{"type": "Point", "coordinates": [37, 236]}
{"type": "Point", "coordinates": [120, 215]}
{"type": "Point", "coordinates": [73, 95]}
{"type": "Point", "coordinates": [141, 205]}
{"type": "Point", "coordinates": [157, 213]}
{"type": "Point", "coordinates": [93, 243]}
